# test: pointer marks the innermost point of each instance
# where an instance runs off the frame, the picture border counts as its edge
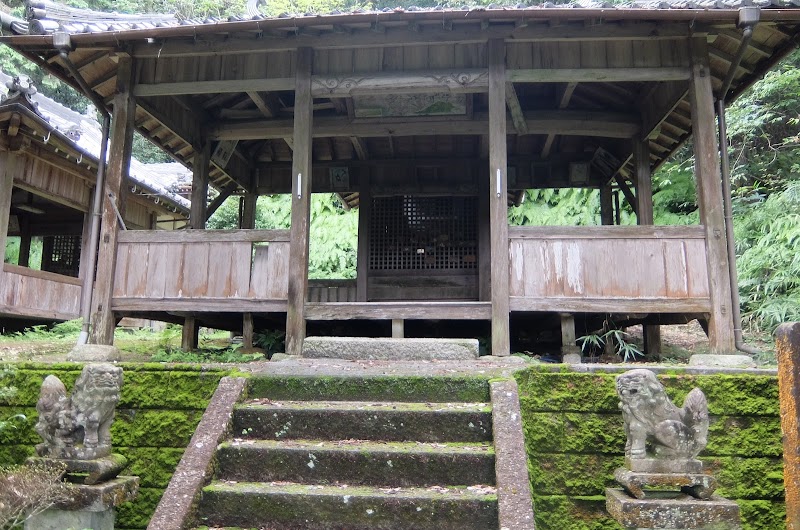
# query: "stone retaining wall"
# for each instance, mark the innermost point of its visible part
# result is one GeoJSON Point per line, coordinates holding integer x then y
{"type": "Point", "coordinates": [158, 411]}
{"type": "Point", "coordinates": [574, 437]}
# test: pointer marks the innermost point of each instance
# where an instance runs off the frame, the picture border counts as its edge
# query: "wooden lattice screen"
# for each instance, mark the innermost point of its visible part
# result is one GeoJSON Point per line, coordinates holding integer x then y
{"type": "Point", "coordinates": [61, 254]}
{"type": "Point", "coordinates": [412, 233]}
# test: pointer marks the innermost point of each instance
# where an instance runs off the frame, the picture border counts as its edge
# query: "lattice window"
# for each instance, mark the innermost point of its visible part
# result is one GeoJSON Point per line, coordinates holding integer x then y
{"type": "Point", "coordinates": [423, 233]}
{"type": "Point", "coordinates": [62, 255]}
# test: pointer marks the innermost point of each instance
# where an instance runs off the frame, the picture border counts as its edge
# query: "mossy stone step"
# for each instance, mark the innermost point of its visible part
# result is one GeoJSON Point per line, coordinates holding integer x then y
{"type": "Point", "coordinates": [433, 388]}
{"type": "Point", "coordinates": [285, 506]}
{"type": "Point", "coordinates": [357, 462]}
{"type": "Point", "coordinates": [338, 420]}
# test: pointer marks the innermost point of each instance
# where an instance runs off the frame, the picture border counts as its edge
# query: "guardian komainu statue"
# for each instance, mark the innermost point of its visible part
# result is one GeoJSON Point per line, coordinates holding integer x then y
{"type": "Point", "coordinates": [78, 426]}
{"type": "Point", "coordinates": [651, 420]}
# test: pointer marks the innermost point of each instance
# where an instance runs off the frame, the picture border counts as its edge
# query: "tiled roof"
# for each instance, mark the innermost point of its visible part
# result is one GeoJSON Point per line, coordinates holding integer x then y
{"type": "Point", "coordinates": [85, 132]}
{"type": "Point", "coordinates": [45, 16]}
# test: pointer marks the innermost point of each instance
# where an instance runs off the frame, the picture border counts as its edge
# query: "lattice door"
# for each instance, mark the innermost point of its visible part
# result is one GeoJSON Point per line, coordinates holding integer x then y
{"type": "Point", "coordinates": [62, 255]}
{"type": "Point", "coordinates": [409, 233]}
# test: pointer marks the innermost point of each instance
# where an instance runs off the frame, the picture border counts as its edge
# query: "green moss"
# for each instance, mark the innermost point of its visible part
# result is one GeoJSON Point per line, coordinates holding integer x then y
{"type": "Point", "coordinates": [14, 454]}
{"type": "Point", "coordinates": [747, 478]}
{"type": "Point", "coordinates": [559, 512]}
{"type": "Point", "coordinates": [174, 390]}
{"type": "Point", "coordinates": [153, 465]}
{"type": "Point", "coordinates": [435, 389]}
{"type": "Point", "coordinates": [571, 474]}
{"type": "Point", "coordinates": [137, 513]}
{"type": "Point", "coordinates": [745, 436]}
{"type": "Point", "coordinates": [762, 515]}
{"type": "Point", "coordinates": [154, 428]}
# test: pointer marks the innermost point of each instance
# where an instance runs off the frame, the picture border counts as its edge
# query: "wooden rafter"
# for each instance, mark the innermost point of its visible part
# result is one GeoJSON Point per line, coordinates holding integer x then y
{"type": "Point", "coordinates": [566, 92]}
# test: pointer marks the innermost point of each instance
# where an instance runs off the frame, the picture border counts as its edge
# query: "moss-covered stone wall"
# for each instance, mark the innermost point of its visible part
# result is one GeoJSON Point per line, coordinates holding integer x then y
{"type": "Point", "coordinates": [158, 412]}
{"type": "Point", "coordinates": [574, 438]}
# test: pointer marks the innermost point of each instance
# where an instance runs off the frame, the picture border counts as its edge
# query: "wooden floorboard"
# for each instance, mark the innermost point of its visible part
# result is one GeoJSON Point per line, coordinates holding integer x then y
{"type": "Point", "coordinates": [399, 310]}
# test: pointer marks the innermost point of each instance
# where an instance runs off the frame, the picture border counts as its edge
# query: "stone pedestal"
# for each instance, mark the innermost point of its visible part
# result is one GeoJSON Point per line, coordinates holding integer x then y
{"type": "Point", "coordinates": [88, 506]}
{"type": "Point", "coordinates": [672, 511]}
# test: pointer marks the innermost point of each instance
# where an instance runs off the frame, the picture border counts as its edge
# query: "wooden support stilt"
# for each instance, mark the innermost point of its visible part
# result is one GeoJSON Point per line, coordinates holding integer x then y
{"type": "Point", "coordinates": [119, 157]}
{"type": "Point", "coordinates": [301, 204]}
{"type": "Point", "coordinates": [787, 342]}
{"type": "Point", "coordinates": [606, 205]}
{"type": "Point", "coordinates": [248, 331]}
{"type": "Point", "coordinates": [498, 202]}
{"type": "Point", "coordinates": [709, 195]}
{"type": "Point", "coordinates": [190, 334]}
{"type": "Point", "coordinates": [249, 211]}
{"type": "Point", "coordinates": [8, 166]}
{"type": "Point", "coordinates": [398, 328]}
{"type": "Point", "coordinates": [24, 241]}
{"type": "Point", "coordinates": [644, 216]}
{"type": "Point", "coordinates": [570, 351]}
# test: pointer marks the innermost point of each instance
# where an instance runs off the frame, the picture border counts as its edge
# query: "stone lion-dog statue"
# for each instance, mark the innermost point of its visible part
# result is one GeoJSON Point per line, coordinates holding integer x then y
{"type": "Point", "coordinates": [78, 426]}
{"type": "Point", "coordinates": [653, 421]}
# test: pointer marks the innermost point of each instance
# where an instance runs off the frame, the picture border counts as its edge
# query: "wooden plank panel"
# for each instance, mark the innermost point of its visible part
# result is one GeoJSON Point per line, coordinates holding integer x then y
{"type": "Point", "coordinates": [158, 260]}
{"type": "Point", "coordinates": [174, 271]}
{"type": "Point", "coordinates": [611, 305]}
{"type": "Point", "coordinates": [137, 274]}
{"type": "Point", "coordinates": [260, 275]}
{"type": "Point", "coordinates": [278, 261]}
{"type": "Point", "coordinates": [516, 253]}
{"type": "Point", "coordinates": [675, 269]}
{"type": "Point", "coordinates": [607, 232]}
{"type": "Point", "coordinates": [241, 258]}
{"type": "Point", "coordinates": [198, 305]}
{"type": "Point", "coordinates": [121, 271]}
{"type": "Point", "coordinates": [218, 280]}
{"type": "Point", "coordinates": [195, 269]}
{"type": "Point", "coordinates": [697, 269]}
{"type": "Point", "coordinates": [202, 236]}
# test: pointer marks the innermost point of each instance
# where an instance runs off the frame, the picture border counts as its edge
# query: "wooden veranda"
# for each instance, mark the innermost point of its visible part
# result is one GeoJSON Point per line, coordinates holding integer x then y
{"type": "Point", "coordinates": [432, 123]}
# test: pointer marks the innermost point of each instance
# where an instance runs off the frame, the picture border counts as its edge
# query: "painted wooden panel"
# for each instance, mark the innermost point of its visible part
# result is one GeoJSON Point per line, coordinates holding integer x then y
{"type": "Point", "coordinates": [608, 262]}
{"type": "Point", "coordinates": [193, 267]}
{"type": "Point", "coordinates": [27, 292]}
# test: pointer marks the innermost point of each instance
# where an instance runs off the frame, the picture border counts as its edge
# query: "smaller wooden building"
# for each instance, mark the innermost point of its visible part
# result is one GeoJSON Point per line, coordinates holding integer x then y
{"type": "Point", "coordinates": [48, 159]}
{"type": "Point", "coordinates": [431, 122]}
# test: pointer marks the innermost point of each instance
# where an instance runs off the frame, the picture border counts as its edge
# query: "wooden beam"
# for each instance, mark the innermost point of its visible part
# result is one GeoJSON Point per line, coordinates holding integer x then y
{"type": "Point", "coordinates": [399, 36]}
{"type": "Point", "coordinates": [360, 148]}
{"type": "Point", "coordinates": [498, 202]}
{"type": "Point", "coordinates": [301, 204]}
{"type": "Point", "coordinates": [224, 193]}
{"type": "Point", "coordinates": [606, 205]}
{"type": "Point", "coordinates": [657, 103]}
{"type": "Point", "coordinates": [709, 194]}
{"type": "Point", "coordinates": [266, 109]}
{"type": "Point", "coordinates": [626, 191]}
{"type": "Point", "coordinates": [199, 205]}
{"type": "Point", "coordinates": [564, 122]}
{"type": "Point", "coordinates": [610, 305]}
{"type": "Point", "coordinates": [512, 101]}
{"type": "Point", "coordinates": [563, 102]}
{"type": "Point", "coordinates": [597, 75]}
{"type": "Point", "coordinates": [399, 310]}
{"type": "Point", "coordinates": [213, 87]}
{"type": "Point", "coordinates": [119, 157]}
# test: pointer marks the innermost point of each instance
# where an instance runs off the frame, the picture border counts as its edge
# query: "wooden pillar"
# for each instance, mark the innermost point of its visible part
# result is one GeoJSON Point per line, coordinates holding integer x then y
{"type": "Point", "coordinates": [606, 204]}
{"type": "Point", "coordinates": [498, 201]}
{"type": "Point", "coordinates": [119, 157]}
{"type": "Point", "coordinates": [301, 204]}
{"type": "Point", "coordinates": [484, 242]}
{"type": "Point", "coordinates": [248, 331]}
{"type": "Point", "coordinates": [190, 334]}
{"type": "Point", "coordinates": [362, 257]}
{"type": "Point", "coordinates": [8, 166]}
{"type": "Point", "coordinates": [249, 211]}
{"type": "Point", "coordinates": [709, 196]}
{"type": "Point", "coordinates": [787, 342]}
{"type": "Point", "coordinates": [570, 352]}
{"type": "Point", "coordinates": [644, 216]}
{"type": "Point", "coordinates": [398, 328]}
{"type": "Point", "coordinates": [24, 241]}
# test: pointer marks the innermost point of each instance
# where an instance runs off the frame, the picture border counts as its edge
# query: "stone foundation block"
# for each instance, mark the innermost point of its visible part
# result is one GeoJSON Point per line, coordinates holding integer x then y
{"type": "Point", "coordinates": [672, 511]}
{"type": "Point", "coordinates": [362, 348]}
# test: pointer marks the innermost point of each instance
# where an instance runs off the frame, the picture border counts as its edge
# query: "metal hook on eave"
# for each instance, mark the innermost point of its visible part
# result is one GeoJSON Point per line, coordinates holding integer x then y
{"type": "Point", "coordinates": [80, 158]}
{"type": "Point", "coordinates": [46, 138]}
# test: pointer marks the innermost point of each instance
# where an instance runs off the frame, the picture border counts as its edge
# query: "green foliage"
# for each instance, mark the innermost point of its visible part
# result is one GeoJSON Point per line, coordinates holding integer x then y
{"type": "Point", "coordinates": [271, 341]}
{"type": "Point", "coordinates": [7, 392]}
{"type": "Point", "coordinates": [215, 355]}
{"type": "Point", "coordinates": [617, 338]}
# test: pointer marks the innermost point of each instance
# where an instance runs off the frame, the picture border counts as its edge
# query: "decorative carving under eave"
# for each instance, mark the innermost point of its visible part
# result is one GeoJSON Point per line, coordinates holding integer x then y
{"type": "Point", "coordinates": [448, 81]}
{"type": "Point", "coordinates": [78, 426]}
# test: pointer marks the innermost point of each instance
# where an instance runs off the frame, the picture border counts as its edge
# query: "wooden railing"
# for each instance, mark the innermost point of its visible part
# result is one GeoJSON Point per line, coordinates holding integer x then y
{"type": "Point", "coordinates": [202, 270]}
{"type": "Point", "coordinates": [38, 294]}
{"type": "Point", "coordinates": [606, 269]}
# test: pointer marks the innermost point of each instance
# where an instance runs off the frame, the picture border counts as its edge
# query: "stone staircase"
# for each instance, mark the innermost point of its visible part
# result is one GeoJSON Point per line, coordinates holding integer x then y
{"type": "Point", "coordinates": [356, 459]}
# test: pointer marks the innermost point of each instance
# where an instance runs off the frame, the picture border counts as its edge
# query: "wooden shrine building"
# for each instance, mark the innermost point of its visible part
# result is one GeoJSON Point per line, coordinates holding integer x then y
{"type": "Point", "coordinates": [432, 123]}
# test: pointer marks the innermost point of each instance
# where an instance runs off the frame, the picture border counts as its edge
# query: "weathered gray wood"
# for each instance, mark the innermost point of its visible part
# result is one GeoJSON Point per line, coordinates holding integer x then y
{"type": "Point", "coordinates": [24, 292]}
{"type": "Point", "coordinates": [608, 232]}
{"type": "Point", "coordinates": [644, 216]}
{"type": "Point", "coordinates": [198, 305]}
{"type": "Point", "coordinates": [213, 87]}
{"type": "Point", "coordinates": [484, 242]}
{"type": "Point", "coordinates": [596, 75]}
{"type": "Point", "coordinates": [564, 122]}
{"type": "Point", "coordinates": [249, 211]}
{"type": "Point", "coordinates": [119, 156]}
{"type": "Point", "coordinates": [515, 110]}
{"type": "Point", "coordinates": [498, 204]}
{"type": "Point", "coordinates": [42, 275]}
{"type": "Point", "coordinates": [202, 157]}
{"type": "Point", "coordinates": [248, 331]}
{"type": "Point", "coordinates": [203, 236]}
{"type": "Point", "coordinates": [400, 36]}
{"type": "Point", "coordinates": [568, 338]}
{"type": "Point", "coordinates": [398, 328]}
{"type": "Point", "coordinates": [362, 258]}
{"type": "Point", "coordinates": [606, 205]}
{"type": "Point", "coordinates": [301, 200]}
{"type": "Point", "coordinates": [399, 310]}
{"type": "Point", "coordinates": [659, 103]}
{"type": "Point", "coordinates": [709, 194]}
{"type": "Point", "coordinates": [8, 167]}
{"type": "Point", "coordinates": [224, 193]}
{"type": "Point", "coordinates": [611, 305]}
{"type": "Point", "coordinates": [190, 334]}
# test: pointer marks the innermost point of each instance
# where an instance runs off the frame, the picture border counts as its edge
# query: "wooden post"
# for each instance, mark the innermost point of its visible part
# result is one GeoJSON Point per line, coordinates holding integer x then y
{"type": "Point", "coordinates": [570, 352]}
{"type": "Point", "coordinates": [709, 195]}
{"type": "Point", "coordinates": [8, 166]}
{"type": "Point", "coordinates": [644, 216]}
{"type": "Point", "coordinates": [119, 157]}
{"type": "Point", "coordinates": [249, 211]}
{"type": "Point", "coordinates": [190, 334]}
{"type": "Point", "coordinates": [498, 202]}
{"type": "Point", "coordinates": [398, 328]}
{"type": "Point", "coordinates": [362, 258]}
{"type": "Point", "coordinates": [606, 205]}
{"type": "Point", "coordinates": [787, 342]}
{"type": "Point", "coordinates": [24, 241]}
{"type": "Point", "coordinates": [301, 204]}
{"type": "Point", "coordinates": [484, 242]}
{"type": "Point", "coordinates": [248, 331]}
